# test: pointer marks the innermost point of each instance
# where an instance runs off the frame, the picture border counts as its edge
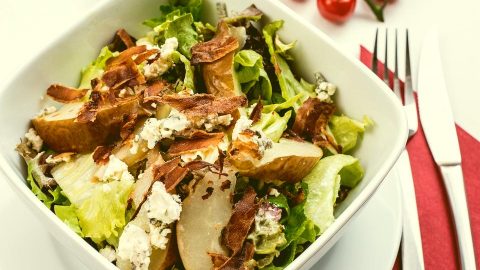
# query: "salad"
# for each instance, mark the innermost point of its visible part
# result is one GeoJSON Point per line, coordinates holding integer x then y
{"type": "Point", "coordinates": [196, 146]}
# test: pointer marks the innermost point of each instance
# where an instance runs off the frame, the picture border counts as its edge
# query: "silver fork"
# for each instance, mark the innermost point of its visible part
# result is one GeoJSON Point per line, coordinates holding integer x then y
{"type": "Point", "coordinates": [412, 254]}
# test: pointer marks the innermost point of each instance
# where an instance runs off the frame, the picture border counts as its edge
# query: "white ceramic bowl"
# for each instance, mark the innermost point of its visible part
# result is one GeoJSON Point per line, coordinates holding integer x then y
{"type": "Point", "coordinates": [360, 93]}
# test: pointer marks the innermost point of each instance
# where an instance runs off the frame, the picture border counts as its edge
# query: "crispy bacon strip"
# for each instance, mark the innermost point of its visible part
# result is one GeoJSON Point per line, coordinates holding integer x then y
{"type": "Point", "coordinates": [145, 56]}
{"type": "Point", "coordinates": [118, 75]}
{"type": "Point", "coordinates": [257, 112]}
{"type": "Point", "coordinates": [65, 94]}
{"type": "Point", "coordinates": [217, 259]}
{"type": "Point", "coordinates": [154, 91]}
{"type": "Point", "coordinates": [201, 105]}
{"type": "Point", "coordinates": [88, 113]}
{"type": "Point", "coordinates": [216, 48]}
{"type": "Point", "coordinates": [182, 146]}
{"type": "Point", "coordinates": [121, 41]}
{"type": "Point", "coordinates": [220, 106]}
{"type": "Point", "coordinates": [181, 102]}
{"type": "Point", "coordinates": [125, 56]}
{"type": "Point", "coordinates": [240, 222]}
{"type": "Point", "coordinates": [170, 173]}
{"type": "Point", "coordinates": [239, 260]}
{"type": "Point", "coordinates": [129, 126]}
{"type": "Point", "coordinates": [101, 154]}
{"type": "Point", "coordinates": [312, 120]}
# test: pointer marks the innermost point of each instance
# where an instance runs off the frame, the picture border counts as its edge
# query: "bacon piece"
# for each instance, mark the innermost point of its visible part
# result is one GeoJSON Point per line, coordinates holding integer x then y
{"type": "Point", "coordinates": [312, 120]}
{"type": "Point", "coordinates": [201, 105]}
{"type": "Point", "coordinates": [216, 48]}
{"type": "Point", "coordinates": [170, 173]}
{"type": "Point", "coordinates": [154, 91]}
{"type": "Point", "coordinates": [239, 260]}
{"type": "Point", "coordinates": [257, 112]}
{"type": "Point", "coordinates": [240, 222]}
{"type": "Point", "coordinates": [118, 75]}
{"type": "Point", "coordinates": [88, 113]}
{"type": "Point", "coordinates": [220, 106]}
{"type": "Point", "coordinates": [101, 154]}
{"type": "Point", "coordinates": [125, 56]}
{"type": "Point", "coordinates": [217, 259]}
{"type": "Point", "coordinates": [65, 94]}
{"type": "Point", "coordinates": [129, 126]}
{"type": "Point", "coordinates": [181, 102]}
{"type": "Point", "coordinates": [187, 145]}
{"type": "Point", "coordinates": [121, 41]}
{"type": "Point", "coordinates": [145, 56]}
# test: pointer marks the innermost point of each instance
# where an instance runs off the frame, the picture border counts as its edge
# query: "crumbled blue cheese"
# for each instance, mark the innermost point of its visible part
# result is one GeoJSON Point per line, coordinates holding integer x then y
{"type": "Point", "coordinates": [163, 206]}
{"type": "Point", "coordinates": [324, 89]}
{"type": "Point", "coordinates": [154, 129]}
{"type": "Point", "coordinates": [116, 170]}
{"type": "Point", "coordinates": [164, 62]}
{"type": "Point", "coordinates": [267, 220]}
{"type": "Point", "coordinates": [33, 140]}
{"type": "Point", "coordinates": [134, 247]}
{"type": "Point", "coordinates": [109, 253]}
{"type": "Point", "coordinates": [159, 235]}
{"type": "Point", "coordinates": [242, 124]}
{"type": "Point", "coordinates": [63, 157]}
{"type": "Point", "coordinates": [274, 192]}
{"type": "Point", "coordinates": [213, 121]}
{"type": "Point", "coordinates": [259, 137]}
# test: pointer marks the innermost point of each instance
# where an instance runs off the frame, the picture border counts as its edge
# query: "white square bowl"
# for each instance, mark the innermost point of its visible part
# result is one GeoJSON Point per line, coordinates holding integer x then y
{"type": "Point", "coordinates": [360, 93]}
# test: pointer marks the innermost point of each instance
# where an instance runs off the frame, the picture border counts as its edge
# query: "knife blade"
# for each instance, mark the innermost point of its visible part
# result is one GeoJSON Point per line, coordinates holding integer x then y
{"type": "Point", "coordinates": [439, 128]}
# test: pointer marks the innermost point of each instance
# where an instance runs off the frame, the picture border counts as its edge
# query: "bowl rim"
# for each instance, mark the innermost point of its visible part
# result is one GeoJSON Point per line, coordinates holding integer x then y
{"type": "Point", "coordinates": [17, 181]}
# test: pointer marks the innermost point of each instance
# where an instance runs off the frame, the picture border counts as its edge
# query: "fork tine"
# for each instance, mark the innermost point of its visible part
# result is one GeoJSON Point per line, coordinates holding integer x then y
{"type": "Point", "coordinates": [396, 80]}
{"type": "Point", "coordinates": [375, 58]}
{"type": "Point", "coordinates": [386, 77]}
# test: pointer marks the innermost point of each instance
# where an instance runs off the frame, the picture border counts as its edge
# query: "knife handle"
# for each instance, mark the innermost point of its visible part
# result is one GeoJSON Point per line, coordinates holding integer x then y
{"type": "Point", "coordinates": [453, 180]}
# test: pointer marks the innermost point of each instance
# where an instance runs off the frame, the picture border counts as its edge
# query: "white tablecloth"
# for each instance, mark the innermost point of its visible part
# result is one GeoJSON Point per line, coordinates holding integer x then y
{"type": "Point", "coordinates": [27, 26]}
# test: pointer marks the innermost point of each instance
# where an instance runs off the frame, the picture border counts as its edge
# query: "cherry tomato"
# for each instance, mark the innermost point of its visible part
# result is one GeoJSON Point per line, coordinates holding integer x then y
{"type": "Point", "coordinates": [337, 11]}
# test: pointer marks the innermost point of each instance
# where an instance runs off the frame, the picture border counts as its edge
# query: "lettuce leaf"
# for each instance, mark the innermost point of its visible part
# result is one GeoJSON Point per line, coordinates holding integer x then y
{"type": "Point", "coordinates": [102, 215]}
{"type": "Point", "coordinates": [188, 80]}
{"type": "Point", "coordinates": [177, 7]}
{"type": "Point", "coordinates": [96, 68]}
{"type": "Point", "coordinates": [273, 125]}
{"type": "Point", "coordinates": [347, 131]}
{"type": "Point", "coordinates": [68, 215]}
{"type": "Point", "coordinates": [182, 28]}
{"type": "Point", "coordinates": [49, 197]}
{"type": "Point", "coordinates": [323, 185]}
{"type": "Point", "coordinates": [252, 76]}
{"type": "Point", "coordinates": [289, 85]}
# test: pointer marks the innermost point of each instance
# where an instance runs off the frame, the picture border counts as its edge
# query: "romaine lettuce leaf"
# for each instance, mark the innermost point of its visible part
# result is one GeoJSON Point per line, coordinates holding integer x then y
{"type": "Point", "coordinates": [252, 76]}
{"type": "Point", "coordinates": [96, 68]}
{"type": "Point", "coordinates": [273, 125]}
{"type": "Point", "coordinates": [177, 7]}
{"type": "Point", "coordinates": [347, 131]}
{"type": "Point", "coordinates": [323, 185]}
{"type": "Point", "coordinates": [68, 215]}
{"type": "Point", "coordinates": [50, 197]}
{"type": "Point", "coordinates": [289, 85]}
{"type": "Point", "coordinates": [182, 28]}
{"type": "Point", "coordinates": [102, 215]}
{"type": "Point", "coordinates": [188, 80]}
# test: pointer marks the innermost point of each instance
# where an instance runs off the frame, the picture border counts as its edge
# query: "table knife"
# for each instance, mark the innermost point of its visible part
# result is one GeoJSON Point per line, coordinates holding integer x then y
{"type": "Point", "coordinates": [439, 128]}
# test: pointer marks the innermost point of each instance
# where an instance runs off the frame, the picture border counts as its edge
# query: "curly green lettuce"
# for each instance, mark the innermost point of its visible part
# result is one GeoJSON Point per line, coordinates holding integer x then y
{"type": "Point", "coordinates": [252, 76]}
{"type": "Point", "coordinates": [289, 85]}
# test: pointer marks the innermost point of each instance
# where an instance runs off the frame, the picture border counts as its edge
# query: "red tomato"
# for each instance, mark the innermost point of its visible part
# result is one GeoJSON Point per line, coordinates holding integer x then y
{"type": "Point", "coordinates": [336, 11]}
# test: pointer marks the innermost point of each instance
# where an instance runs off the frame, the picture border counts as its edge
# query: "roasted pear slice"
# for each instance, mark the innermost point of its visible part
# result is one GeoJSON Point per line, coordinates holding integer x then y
{"type": "Point", "coordinates": [62, 133]}
{"type": "Point", "coordinates": [288, 160]}
{"type": "Point", "coordinates": [205, 213]}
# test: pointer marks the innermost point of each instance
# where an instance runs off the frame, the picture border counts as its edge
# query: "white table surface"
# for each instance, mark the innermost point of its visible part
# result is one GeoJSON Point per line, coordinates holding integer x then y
{"type": "Point", "coordinates": [27, 26]}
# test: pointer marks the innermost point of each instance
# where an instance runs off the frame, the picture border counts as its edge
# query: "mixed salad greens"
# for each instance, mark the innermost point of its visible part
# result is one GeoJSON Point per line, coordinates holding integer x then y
{"type": "Point", "coordinates": [194, 147]}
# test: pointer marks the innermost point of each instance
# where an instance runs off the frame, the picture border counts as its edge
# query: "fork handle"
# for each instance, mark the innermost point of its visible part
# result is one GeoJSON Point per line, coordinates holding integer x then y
{"type": "Point", "coordinates": [453, 180]}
